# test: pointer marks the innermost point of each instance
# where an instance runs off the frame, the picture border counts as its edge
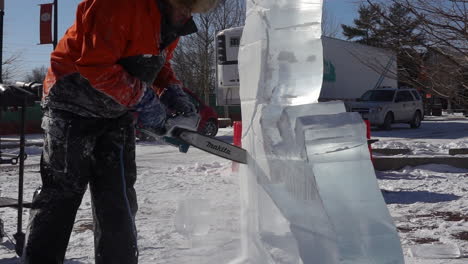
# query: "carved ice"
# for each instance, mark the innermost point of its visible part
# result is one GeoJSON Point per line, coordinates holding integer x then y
{"type": "Point", "coordinates": [309, 194]}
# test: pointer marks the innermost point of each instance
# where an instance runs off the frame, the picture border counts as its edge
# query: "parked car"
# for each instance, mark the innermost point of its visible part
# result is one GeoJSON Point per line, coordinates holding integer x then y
{"type": "Point", "coordinates": [383, 107]}
{"type": "Point", "coordinates": [208, 124]}
{"type": "Point", "coordinates": [208, 117]}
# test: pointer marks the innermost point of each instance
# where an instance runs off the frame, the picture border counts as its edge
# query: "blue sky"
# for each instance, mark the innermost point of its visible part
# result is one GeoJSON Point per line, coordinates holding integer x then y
{"type": "Point", "coordinates": [21, 28]}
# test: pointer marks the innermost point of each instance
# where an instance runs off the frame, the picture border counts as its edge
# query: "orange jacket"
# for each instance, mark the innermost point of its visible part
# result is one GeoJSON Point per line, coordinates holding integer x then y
{"type": "Point", "coordinates": [104, 32]}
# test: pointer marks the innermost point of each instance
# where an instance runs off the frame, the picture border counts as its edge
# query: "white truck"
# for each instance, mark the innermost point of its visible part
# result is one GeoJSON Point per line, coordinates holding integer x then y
{"type": "Point", "coordinates": [350, 69]}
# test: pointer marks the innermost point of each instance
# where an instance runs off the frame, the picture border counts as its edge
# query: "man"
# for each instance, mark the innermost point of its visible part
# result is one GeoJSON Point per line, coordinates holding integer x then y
{"type": "Point", "coordinates": [114, 61]}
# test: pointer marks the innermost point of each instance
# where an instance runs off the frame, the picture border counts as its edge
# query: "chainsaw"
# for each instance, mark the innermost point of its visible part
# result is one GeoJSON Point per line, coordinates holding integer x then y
{"type": "Point", "coordinates": [181, 131]}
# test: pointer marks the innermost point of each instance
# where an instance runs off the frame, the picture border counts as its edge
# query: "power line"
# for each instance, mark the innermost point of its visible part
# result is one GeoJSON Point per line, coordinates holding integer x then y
{"type": "Point", "coordinates": [23, 44]}
{"type": "Point", "coordinates": [33, 52]}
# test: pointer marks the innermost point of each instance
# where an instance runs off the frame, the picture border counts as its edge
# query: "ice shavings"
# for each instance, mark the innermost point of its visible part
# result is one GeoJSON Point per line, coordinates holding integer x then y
{"type": "Point", "coordinates": [435, 251]}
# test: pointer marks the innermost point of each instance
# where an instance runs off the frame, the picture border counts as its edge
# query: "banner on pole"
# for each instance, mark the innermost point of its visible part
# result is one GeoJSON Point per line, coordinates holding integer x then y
{"type": "Point", "coordinates": [46, 24]}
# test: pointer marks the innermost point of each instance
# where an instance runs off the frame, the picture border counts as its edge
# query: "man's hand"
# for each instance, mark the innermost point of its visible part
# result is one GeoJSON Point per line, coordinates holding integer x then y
{"type": "Point", "coordinates": [177, 100]}
{"type": "Point", "coordinates": [151, 113]}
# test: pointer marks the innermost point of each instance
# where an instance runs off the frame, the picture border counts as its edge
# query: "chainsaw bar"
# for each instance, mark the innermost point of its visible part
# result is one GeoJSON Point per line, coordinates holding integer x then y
{"type": "Point", "coordinates": [211, 145]}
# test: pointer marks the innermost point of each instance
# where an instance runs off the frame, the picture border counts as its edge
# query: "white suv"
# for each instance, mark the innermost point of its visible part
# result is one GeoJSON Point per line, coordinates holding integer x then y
{"type": "Point", "coordinates": [383, 107]}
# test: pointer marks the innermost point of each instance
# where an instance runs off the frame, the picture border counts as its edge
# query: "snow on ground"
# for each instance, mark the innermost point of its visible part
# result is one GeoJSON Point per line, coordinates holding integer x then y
{"type": "Point", "coordinates": [429, 203]}
{"type": "Point", "coordinates": [435, 137]}
{"type": "Point", "coordinates": [166, 177]}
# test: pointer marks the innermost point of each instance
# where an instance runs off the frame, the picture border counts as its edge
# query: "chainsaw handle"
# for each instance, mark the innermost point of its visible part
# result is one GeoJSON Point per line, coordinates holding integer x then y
{"type": "Point", "coordinates": [188, 122]}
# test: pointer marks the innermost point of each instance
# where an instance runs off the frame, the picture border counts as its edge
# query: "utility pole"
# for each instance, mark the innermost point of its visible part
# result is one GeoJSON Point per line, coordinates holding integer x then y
{"type": "Point", "coordinates": [2, 13]}
{"type": "Point", "coordinates": [55, 22]}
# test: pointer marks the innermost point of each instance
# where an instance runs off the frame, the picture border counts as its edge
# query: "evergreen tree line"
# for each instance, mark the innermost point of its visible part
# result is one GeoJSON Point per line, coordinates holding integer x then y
{"type": "Point", "coordinates": [429, 37]}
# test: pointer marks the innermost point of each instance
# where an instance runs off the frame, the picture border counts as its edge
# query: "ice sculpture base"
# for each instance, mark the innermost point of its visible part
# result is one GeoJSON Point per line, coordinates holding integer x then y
{"type": "Point", "coordinates": [313, 196]}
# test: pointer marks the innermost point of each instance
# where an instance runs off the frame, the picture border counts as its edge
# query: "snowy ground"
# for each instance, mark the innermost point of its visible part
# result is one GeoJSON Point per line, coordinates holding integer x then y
{"type": "Point", "coordinates": [429, 203]}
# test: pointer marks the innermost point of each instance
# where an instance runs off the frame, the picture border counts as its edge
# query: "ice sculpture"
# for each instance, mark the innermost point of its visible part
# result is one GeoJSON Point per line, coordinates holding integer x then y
{"type": "Point", "coordinates": [309, 194]}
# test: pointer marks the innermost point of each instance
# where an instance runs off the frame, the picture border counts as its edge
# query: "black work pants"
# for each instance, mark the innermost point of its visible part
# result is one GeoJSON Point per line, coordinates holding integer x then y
{"type": "Point", "coordinates": [79, 151]}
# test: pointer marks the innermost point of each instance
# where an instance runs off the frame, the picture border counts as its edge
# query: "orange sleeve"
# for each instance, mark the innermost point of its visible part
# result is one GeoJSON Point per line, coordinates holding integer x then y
{"type": "Point", "coordinates": [106, 25]}
{"type": "Point", "coordinates": [167, 76]}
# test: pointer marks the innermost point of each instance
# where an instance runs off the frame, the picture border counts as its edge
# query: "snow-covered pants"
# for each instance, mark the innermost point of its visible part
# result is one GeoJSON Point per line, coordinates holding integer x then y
{"type": "Point", "coordinates": [77, 151]}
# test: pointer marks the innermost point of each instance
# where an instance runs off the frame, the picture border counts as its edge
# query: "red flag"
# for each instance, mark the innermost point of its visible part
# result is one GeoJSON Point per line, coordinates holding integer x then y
{"type": "Point", "coordinates": [46, 24]}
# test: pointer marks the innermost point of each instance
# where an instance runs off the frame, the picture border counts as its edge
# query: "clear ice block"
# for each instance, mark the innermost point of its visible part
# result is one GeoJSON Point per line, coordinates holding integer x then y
{"type": "Point", "coordinates": [309, 193]}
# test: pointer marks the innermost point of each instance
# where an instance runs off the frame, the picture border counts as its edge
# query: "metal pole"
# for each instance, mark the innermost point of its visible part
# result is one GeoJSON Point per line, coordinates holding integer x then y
{"type": "Point", "coordinates": [20, 236]}
{"type": "Point", "coordinates": [55, 22]}
{"type": "Point", "coordinates": [2, 13]}
{"type": "Point", "coordinates": [21, 167]}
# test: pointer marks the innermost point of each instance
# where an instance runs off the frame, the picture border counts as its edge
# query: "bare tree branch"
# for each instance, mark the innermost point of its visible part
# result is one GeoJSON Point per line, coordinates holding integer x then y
{"type": "Point", "coordinates": [11, 67]}
{"type": "Point", "coordinates": [37, 75]}
{"type": "Point", "coordinates": [330, 26]}
{"type": "Point", "coordinates": [194, 61]}
{"type": "Point", "coordinates": [443, 53]}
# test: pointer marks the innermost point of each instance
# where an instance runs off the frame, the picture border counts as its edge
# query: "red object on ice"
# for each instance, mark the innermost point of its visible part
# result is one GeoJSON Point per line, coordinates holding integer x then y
{"type": "Point", "coordinates": [368, 130]}
{"type": "Point", "coordinates": [237, 141]}
{"type": "Point", "coordinates": [368, 136]}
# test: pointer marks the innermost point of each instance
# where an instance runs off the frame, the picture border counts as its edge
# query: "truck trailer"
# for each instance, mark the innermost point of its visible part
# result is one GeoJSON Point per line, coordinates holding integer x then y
{"type": "Point", "coordinates": [350, 68]}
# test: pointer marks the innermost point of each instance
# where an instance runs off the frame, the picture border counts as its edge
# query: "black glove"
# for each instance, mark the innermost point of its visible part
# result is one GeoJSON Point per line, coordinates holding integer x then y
{"type": "Point", "coordinates": [151, 113]}
{"type": "Point", "coordinates": [175, 99]}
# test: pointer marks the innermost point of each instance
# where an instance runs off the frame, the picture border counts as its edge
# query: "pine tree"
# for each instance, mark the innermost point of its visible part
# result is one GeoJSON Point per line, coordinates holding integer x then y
{"type": "Point", "coordinates": [391, 27]}
{"type": "Point", "coordinates": [399, 28]}
{"type": "Point", "coordinates": [367, 28]}
{"type": "Point", "coordinates": [399, 31]}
